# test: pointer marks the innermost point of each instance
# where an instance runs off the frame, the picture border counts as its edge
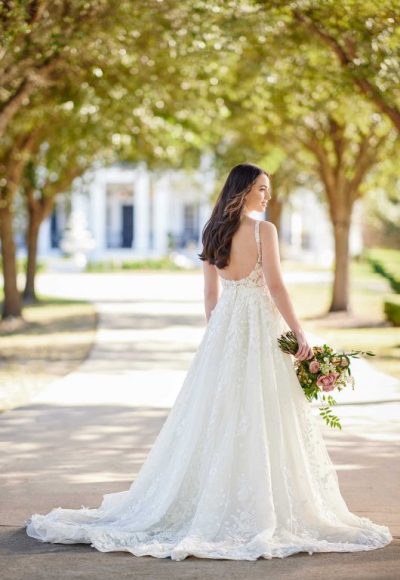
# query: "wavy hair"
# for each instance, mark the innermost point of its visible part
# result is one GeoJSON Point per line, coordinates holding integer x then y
{"type": "Point", "coordinates": [225, 218]}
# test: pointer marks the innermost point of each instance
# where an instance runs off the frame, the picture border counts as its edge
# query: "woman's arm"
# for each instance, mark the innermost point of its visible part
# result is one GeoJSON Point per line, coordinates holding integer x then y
{"type": "Point", "coordinates": [273, 276]}
{"type": "Point", "coordinates": [211, 287]}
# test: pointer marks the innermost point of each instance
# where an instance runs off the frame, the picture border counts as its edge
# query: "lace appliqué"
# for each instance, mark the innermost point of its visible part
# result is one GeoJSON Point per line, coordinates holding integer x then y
{"type": "Point", "coordinates": [239, 470]}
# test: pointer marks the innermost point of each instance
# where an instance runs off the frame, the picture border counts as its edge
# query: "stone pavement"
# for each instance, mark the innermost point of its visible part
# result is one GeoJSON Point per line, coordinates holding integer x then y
{"type": "Point", "coordinates": [88, 434]}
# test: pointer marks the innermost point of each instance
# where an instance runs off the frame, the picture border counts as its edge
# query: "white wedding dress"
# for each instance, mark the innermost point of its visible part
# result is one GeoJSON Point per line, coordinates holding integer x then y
{"type": "Point", "coordinates": [239, 469]}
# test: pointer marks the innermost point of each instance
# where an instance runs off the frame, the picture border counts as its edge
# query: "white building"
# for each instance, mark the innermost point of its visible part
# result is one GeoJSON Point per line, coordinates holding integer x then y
{"type": "Point", "coordinates": [132, 213]}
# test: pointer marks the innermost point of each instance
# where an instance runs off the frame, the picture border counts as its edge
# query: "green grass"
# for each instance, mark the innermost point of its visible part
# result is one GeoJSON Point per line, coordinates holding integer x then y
{"type": "Point", "coordinates": [21, 265]}
{"type": "Point", "coordinates": [293, 265]}
{"type": "Point", "coordinates": [135, 265]}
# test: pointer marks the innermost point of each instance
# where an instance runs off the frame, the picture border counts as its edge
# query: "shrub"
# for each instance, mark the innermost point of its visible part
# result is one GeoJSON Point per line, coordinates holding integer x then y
{"type": "Point", "coordinates": [391, 308]}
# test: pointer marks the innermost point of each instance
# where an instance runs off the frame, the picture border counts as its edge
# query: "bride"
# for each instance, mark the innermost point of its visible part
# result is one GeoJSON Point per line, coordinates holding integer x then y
{"type": "Point", "coordinates": [239, 469]}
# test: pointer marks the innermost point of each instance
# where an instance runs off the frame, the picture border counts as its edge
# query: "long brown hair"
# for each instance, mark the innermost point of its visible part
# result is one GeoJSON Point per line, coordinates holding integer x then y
{"type": "Point", "coordinates": [218, 232]}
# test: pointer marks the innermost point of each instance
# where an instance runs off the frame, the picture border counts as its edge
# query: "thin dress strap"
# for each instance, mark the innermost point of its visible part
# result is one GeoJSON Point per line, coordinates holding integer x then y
{"type": "Point", "coordinates": [257, 232]}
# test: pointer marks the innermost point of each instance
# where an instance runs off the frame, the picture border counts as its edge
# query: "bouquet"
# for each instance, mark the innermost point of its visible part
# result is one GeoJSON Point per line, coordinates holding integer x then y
{"type": "Point", "coordinates": [325, 371]}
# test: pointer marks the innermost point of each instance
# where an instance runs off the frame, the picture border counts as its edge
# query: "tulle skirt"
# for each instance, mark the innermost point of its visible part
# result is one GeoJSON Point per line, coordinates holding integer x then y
{"type": "Point", "coordinates": [239, 469]}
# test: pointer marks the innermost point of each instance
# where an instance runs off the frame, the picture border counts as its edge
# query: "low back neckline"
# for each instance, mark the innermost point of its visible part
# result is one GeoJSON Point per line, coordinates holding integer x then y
{"type": "Point", "coordinates": [258, 262]}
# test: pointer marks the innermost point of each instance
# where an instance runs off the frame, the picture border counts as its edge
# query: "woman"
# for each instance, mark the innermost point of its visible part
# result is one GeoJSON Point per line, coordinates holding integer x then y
{"type": "Point", "coordinates": [239, 469]}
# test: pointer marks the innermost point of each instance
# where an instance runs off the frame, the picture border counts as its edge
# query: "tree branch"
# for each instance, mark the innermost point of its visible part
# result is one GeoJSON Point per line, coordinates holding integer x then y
{"type": "Point", "coordinates": [346, 60]}
{"type": "Point", "coordinates": [339, 141]}
{"type": "Point", "coordinates": [15, 161]}
{"type": "Point", "coordinates": [28, 85]}
{"type": "Point", "coordinates": [365, 159]}
{"type": "Point", "coordinates": [325, 170]}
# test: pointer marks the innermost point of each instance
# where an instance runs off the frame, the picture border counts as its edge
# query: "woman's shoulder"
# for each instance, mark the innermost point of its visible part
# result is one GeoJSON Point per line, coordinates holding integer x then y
{"type": "Point", "coordinates": [264, 224]}
{"type": "Point", "coordinates": [267, 228]}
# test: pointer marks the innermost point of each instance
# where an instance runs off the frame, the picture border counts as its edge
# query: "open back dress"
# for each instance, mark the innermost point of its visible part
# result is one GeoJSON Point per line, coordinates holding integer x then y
{"type": "Point", "coordinates": [239, 469]}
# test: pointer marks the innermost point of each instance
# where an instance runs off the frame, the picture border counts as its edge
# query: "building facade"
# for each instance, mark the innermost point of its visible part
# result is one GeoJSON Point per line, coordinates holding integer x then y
{"type": "Point", "coordinates": [131, 213]}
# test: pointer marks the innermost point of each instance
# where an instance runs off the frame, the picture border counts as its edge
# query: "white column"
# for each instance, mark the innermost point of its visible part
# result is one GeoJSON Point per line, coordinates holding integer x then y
{"type": "Point", "coordinates": [141, 202]}
{"type": "Point", "coordinates": [161, 217]}
{"type": "Point", "coordinates": [97, 217]}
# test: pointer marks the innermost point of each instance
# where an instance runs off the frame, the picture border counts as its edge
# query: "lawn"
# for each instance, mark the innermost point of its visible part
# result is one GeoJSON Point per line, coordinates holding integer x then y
{"type": "Point", "coordinates": [365, 327]}
{"type": "Point", "coordinates": [55, 338]}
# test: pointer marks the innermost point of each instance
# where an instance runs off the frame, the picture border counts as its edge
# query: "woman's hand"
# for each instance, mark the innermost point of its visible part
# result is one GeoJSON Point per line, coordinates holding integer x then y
{"type": "Point", "coordinates": [304, 351]}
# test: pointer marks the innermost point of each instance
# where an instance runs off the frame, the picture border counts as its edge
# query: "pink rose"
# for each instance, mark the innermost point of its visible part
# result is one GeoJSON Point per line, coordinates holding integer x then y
{"type": "Point", "coordinates": [314, 366]}
{"type": "Point", "coordinates": [327, 382]}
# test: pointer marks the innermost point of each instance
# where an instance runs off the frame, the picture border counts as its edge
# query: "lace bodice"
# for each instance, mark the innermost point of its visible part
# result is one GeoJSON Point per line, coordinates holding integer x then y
{"type": "Point", "coordinates": [256, 277]}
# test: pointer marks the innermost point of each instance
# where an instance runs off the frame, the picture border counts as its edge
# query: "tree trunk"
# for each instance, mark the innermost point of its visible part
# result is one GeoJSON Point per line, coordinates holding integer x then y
{"type": "Point", "coordinates": [12, 299]}
{"type": "Point", "coordinates": [342, 177]}
{"type": "Point", "coordinates": [340, 290]}
{"type": "Point", "coordinates": [35, 220]}
{"type": "Point", "coordinates": [13, 164]}
{"type": "Point", "coordinates": [274, 212]}
{"type": "Point", "coordinates": [38, 211]}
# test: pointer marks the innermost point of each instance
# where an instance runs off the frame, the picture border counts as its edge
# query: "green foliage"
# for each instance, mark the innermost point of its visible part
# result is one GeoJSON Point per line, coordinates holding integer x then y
{"type": "Point", "coordinates": [391, 309]}
{"type": "Point", "coordinates": [166, 82]}
{"type": "Point", "coordinates": [389, 257]}
{"type": "Point", "coordinates": [384, 270]}
{"type": "Point", "coordinates": [121, 71]}
{"type": "Point", "coordinates": [362, 36]}
{"type": "Point", "coordinates": [330, 419]}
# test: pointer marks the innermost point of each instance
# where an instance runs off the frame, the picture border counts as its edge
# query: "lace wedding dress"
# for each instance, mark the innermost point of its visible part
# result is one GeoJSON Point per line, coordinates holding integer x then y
{"type": "Point", "coordinates": [239, 469]}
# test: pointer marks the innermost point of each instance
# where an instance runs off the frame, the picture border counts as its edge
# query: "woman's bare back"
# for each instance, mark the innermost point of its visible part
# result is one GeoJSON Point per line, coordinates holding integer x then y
{"type": "Point", "coordinates": [244, 253]}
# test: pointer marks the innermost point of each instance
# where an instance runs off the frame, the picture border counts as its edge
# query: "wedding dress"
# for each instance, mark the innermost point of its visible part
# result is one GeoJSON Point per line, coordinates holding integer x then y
{"type": "Point", "coordinates": [239, 469]}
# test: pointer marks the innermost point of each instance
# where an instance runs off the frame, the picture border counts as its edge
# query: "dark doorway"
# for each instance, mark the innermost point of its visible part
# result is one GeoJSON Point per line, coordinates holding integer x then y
{"type": "Point", "coordinates": [54, 233]}
{"type": "Point", "coordinates": [127, 226]}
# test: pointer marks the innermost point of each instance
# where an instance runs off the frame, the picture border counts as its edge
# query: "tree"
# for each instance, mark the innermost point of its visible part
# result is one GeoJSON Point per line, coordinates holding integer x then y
{"type": "Point", "coordinates": [12, 165]}
{"type": "Point", "coordinates": [40, 203]}
{"type": "Point", "coordinates": [42, 43]}
{"type": "Point", "coordinates": [166, 81]}
{"type": "Point", "coordinates": [311, 116]}
{"type": "Point", "coordinates": [342, 156]}
{"type": "Point", "coordinates": [364, 36]}
{"type": "Point", "coordinates": [94, 58]}
{"type": "Point", "coordinates": [38, 43]}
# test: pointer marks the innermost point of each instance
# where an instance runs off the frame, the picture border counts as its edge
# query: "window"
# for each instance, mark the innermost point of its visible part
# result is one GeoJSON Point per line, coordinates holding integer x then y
{"type": "Point", "coordinates": [190, 223]}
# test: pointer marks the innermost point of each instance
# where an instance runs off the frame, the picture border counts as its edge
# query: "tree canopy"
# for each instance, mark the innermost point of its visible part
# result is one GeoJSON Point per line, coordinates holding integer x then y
{"type": "Point", "coordinates": [298, 86]}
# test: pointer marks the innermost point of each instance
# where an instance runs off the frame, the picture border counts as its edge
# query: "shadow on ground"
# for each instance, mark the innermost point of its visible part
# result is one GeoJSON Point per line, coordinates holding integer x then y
{"type": "Point", "coordinates": [68, 456]}
{"type": "Point", "coordinates": [24, 557]}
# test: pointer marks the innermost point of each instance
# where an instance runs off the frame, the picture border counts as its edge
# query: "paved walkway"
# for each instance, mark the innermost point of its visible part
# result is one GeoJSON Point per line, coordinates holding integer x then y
{"type": "Point", "coordinates": [89, 433]}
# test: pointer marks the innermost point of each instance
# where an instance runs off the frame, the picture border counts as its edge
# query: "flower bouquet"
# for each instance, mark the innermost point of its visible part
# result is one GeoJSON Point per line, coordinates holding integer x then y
{"type": "Point", "coordinates": [325, 371]}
